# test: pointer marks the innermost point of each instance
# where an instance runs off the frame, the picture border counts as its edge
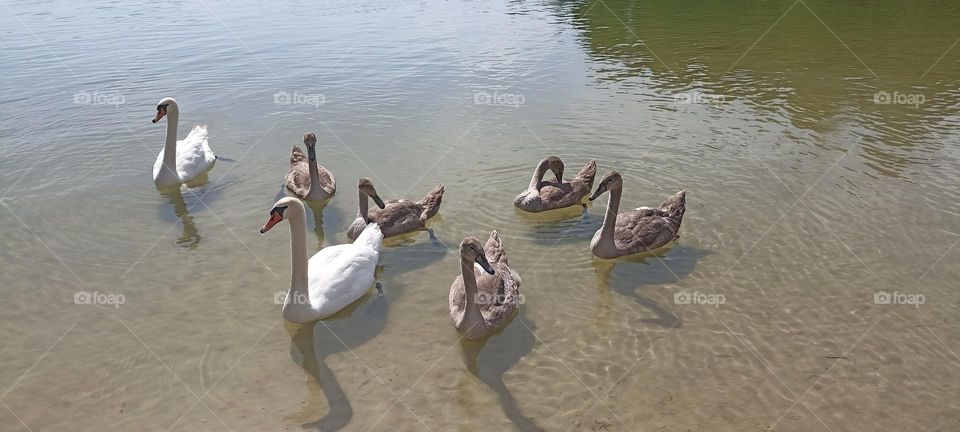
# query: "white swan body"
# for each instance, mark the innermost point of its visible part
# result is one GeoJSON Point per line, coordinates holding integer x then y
{"type": "Point", "coordinates": [181, 161]}
{"type": "Point", "coordinates": [334, 277]}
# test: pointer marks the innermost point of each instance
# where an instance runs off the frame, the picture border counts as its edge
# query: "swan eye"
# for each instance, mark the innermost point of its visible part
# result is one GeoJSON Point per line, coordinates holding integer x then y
{"type": "Point", "coordinates": [162, 107]}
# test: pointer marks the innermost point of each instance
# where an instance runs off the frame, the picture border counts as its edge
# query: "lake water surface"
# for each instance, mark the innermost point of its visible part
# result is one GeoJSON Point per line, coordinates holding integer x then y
{"type": "Point", "coordinates": [814, 285]}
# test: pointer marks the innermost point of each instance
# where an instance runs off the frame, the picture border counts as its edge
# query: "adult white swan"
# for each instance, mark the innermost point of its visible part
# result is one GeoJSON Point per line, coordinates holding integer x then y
{"type": "Point", "coordinates": [334, 277]}
{"type": "Point", "coordinates": [183, 160]}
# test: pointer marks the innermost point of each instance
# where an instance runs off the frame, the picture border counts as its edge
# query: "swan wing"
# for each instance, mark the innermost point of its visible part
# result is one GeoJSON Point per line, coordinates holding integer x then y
{"type": "Point", "coordinates": [298, 178]}
{"type": "Point", "coordinates": [339, 275]}
{"type": "Point", "coordinates": [644, 229]}
{"type": "Point", "coordinates": [194, 156]}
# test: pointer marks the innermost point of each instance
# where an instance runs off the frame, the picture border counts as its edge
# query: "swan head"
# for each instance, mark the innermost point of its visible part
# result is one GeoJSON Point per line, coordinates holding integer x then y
{"type": "Point", "coordinates": [278, 212]}
{"type": "Point", "coordinates": [472, 250]}
{"type": "Point", "coordinates": [366, 186]}
{"type": "Point", "coordinates": [309, 140]}
{"type": "Point", "coordinates": [556, 165]}
{"type": "Point", "coordinates": [612, 180]}
{"type": "Point", "coordinates": [163, 106]}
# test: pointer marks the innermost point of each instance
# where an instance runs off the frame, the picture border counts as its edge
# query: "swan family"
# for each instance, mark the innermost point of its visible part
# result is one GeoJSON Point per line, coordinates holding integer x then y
{"type": "Point", "coordinates": [484, 297]}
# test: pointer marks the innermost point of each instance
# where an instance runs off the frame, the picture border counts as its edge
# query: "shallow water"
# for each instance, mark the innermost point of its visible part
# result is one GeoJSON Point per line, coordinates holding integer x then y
{"type": "Point", "coordinates": [808, 201]}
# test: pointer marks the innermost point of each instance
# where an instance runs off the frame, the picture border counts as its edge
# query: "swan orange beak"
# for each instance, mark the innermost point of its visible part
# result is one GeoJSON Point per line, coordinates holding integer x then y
{"type": "Point", "coordinates": [161, 111]}
{"type": "Point", "coordinates": [275, 218]}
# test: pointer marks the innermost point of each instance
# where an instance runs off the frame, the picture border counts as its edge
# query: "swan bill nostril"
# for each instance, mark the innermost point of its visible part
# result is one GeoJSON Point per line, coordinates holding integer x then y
{"type": "Point", "coordinates": [160, 114]}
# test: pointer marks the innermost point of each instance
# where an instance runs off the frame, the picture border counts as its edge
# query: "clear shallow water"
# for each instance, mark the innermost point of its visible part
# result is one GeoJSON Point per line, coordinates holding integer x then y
{"type": "Point", "coordinates": [806, 200]}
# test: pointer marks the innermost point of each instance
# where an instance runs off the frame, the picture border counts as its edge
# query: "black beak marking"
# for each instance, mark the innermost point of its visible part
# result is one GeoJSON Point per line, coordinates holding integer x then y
{"type": "Point", "coordinates": [600, 190]}
{"type": "Point", "coordinates": [482, 260]}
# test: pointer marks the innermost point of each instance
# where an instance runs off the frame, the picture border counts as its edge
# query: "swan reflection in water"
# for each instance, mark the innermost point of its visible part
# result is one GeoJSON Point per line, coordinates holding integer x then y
{"type": "Point", "coordinates": [311, 344]}
{"type": "Point", "coordinates": [628, 275]}
{"type": "Point", "coordinates": [490, 358]}
{"type": "Point", "coordinates": [316, 212]}
{"type": "Point", "coordinates": [192, 197]}
{"type": "Point", "coordinates": [189, 237]}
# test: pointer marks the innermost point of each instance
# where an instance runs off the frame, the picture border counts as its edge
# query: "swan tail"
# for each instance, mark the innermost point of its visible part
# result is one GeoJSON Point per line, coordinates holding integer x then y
{"type": "Point", "coordinates": [297, 155]}
{"type": "Point", "coordinates": [676, 205]}
{"type": "Point", "coordinates": [431, 202]}
{"type": "Point", "coordinates": [198, 133]}
{"type": "Point", "coordinates": [494, 249]}
{"type": "Point", "coordinates": [588, 172]}
{"type": "Point", "coordinates": [516, 277]}
{"type": "Point", "coordinates": [371, 236]}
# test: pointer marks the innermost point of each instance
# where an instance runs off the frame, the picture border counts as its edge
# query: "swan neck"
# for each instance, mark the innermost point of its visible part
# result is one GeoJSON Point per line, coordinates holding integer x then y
{"type": "Point", "coordinates": [298, 251]}
{"type": "Point", "coordinates": [363, 205]}
{"type": "Point", "coordinates": [471, 312]}
{"type": "Point", "coordinates": [314, 172]}
{"type": "Point", "coordinates": [538, 176]}
{"type": "Point", "coordinates": [610, 217]}
{"type": "Point", "coordinates": [170, 145]}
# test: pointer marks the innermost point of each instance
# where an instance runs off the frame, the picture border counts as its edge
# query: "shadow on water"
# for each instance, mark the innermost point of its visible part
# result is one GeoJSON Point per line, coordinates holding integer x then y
{"type": "Point", "coordinates": [562, 226]}
{"type": "Point", "coordinates": [412, 258]}
{"type": "Point", "coordinates": [414, 251]}
{"type": "Point", "coordinates": [490, 358]}
{"type": "Point", "coordinates": [629, 275]}
{"type": "Point", "coordinates": [311, 344]}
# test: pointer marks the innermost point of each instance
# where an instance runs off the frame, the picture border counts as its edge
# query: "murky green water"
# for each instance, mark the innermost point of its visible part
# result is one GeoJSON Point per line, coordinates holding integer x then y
{"type": "Point", "coordinates": [812, 202]}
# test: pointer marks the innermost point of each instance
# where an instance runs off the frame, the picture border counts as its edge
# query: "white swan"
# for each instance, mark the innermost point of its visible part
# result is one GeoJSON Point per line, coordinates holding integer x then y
{"type": "Point", "coordinates": [334, 277]}
{"type": "Point", "coordinates": [184, 160]}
